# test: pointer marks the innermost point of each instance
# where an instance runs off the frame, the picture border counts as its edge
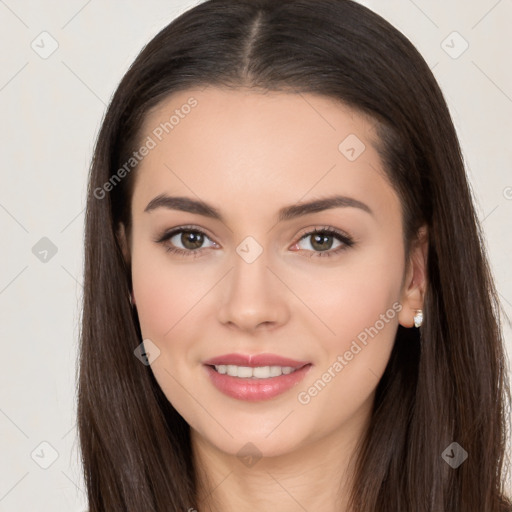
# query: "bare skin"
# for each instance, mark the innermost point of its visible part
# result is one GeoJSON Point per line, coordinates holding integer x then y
{"type": "Point", "coordinates": [249, 155]}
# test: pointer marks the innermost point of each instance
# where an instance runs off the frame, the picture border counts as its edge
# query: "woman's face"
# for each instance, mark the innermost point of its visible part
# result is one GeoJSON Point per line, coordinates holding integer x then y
{"type": "Point", "coordinates": [253, 279]}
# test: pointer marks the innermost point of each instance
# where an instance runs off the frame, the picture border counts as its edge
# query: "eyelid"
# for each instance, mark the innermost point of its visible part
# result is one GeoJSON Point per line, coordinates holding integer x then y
{"type": "Point", "coordinates": [305, 231]}
{"type": "Point", "coordinates": [346, 240]}
{"type": "Point", "coordinates": [169, 233]}
{"type": "Point", "coordinates": [329, 229]}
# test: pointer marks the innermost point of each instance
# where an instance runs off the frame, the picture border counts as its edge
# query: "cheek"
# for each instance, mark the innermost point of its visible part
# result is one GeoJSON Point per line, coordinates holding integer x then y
{"type": "Point", "coordinates": [172, 300]}
{"type": "Point", "coordinates": [356, 296]}
{"type": "Point", "coordinates": [360, 307]}
{"type": "Point", "coordinates": [161, 291]}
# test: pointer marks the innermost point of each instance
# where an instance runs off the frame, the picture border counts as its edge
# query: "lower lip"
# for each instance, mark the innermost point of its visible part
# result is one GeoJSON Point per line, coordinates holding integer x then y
{"type": "Point", "coordinates": [254, 390]}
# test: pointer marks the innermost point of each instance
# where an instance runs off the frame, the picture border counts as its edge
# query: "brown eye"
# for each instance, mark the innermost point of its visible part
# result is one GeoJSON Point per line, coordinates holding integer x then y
{"type": "Point", "coordinates": [185, 241]}
{"type": "Point", "coordinates": [191, 239]}
{"type": "Point", "coordinates": [322, 241]}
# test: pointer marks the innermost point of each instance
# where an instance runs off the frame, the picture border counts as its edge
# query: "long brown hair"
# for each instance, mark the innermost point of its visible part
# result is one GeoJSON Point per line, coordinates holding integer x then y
{"type": "Point", "coordinates": [446, 384]}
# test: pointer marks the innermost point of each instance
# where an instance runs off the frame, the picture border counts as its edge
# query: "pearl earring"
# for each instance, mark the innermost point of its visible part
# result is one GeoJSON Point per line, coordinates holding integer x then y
{"type": "Point", "coordinates": [418, 318]}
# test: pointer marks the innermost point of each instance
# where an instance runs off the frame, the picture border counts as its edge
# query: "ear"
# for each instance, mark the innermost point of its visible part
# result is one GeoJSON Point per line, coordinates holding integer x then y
{"type": "Point", "coordinates": [415, 281]}
{"type": "Point", "coordinates": [122, 238]}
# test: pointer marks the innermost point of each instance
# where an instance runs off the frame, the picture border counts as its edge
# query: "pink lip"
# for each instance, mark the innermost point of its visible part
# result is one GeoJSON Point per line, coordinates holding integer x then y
{"type": "Point", "coordinates": [251, 389]}
{"type": "Point", "coordinates": [255, 360]}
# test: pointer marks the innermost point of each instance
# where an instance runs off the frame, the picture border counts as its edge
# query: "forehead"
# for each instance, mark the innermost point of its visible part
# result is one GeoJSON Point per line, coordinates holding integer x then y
{"type": "Point", "coordinates": [242, 145]}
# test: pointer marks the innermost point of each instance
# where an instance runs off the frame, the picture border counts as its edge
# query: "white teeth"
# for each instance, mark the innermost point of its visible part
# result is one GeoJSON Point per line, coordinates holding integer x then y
{"type": "Point", "coordinates": [259, 372]}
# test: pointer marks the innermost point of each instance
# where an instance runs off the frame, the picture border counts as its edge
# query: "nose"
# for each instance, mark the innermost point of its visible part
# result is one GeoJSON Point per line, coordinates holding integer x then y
{"type": "Point", "coordinates": [253, 296]}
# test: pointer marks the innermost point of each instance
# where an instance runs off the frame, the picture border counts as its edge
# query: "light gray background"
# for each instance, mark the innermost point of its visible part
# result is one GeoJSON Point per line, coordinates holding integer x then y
{"type": "Point", "coordinates": [51, 111]}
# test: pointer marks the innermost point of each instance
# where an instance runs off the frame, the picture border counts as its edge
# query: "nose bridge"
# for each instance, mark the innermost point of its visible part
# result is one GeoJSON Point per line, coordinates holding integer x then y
{"type": "Point", "coordinates": [250, 269]}
{"type": "Point", "coordinates": [253, 295]}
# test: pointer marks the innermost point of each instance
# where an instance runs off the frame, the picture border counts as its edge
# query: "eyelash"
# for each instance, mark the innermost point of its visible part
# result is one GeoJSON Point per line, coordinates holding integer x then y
{"type": "Point", "coordinates": [345, 239]}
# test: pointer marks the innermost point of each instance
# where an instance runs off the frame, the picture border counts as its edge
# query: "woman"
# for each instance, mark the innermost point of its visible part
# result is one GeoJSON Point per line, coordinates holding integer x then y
{"type": "Point", "coordinates": [287, 300]}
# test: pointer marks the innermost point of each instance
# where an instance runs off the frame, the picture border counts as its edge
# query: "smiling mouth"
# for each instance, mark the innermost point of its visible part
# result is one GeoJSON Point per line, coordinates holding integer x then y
{"type": "Point", "coordinates": [255, 383]}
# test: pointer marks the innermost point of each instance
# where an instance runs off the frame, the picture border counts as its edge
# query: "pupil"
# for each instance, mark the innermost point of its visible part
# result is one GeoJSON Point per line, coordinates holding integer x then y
{"type": "Point", "coordinates": [319, 242]}
{"type": "Point", "coordinates": [192, 238]}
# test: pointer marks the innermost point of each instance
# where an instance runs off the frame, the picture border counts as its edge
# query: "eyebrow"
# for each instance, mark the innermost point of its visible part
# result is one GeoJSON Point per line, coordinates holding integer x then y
{"type": "Point", "coordinates": [198, 207]}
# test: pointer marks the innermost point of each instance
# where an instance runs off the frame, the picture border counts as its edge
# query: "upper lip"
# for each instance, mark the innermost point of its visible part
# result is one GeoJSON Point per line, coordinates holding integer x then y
{"type": "Point", "coordinates": [255, 360]}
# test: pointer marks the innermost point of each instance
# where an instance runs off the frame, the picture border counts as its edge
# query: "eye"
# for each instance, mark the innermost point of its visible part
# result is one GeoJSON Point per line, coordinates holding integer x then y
{"type": "Point", "coordinates": [190, 238]}
{"type": "Point", "coordinates": [322, 240]}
